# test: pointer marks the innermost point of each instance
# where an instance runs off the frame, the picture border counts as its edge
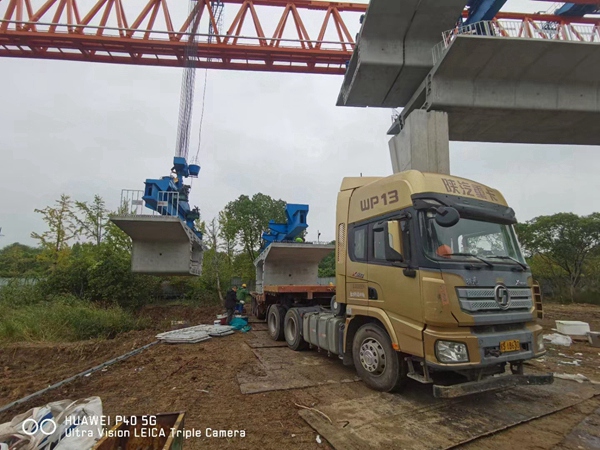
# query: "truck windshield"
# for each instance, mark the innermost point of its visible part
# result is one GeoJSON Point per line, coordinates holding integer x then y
{"type": "Point", "coordinates": [472, 240]}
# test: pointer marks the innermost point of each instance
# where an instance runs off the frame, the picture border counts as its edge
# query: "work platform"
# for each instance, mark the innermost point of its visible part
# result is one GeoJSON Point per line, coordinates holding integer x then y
{"type": "Point", "coordinates": [394, 48]}
{"type": "Point", "coordinates": [162, 245]}
{"type": "Point", "coordinates": [516, 90]}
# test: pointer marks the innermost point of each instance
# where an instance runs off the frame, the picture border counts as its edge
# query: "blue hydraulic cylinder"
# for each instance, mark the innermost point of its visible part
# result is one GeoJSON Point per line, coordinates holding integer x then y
{"type": "Point", "coordinates": [295, 225]}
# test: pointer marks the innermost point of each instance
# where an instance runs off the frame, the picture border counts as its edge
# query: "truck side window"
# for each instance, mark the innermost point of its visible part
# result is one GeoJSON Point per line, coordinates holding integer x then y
{"type": "Point", "coordinates": [359, 249]}
{"type": "Point", "coordinates": [379, 245]}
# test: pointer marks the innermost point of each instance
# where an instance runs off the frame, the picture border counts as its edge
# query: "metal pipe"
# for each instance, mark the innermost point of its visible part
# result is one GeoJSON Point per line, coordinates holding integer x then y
{"type": "Point", "coordinates": [79, 375]}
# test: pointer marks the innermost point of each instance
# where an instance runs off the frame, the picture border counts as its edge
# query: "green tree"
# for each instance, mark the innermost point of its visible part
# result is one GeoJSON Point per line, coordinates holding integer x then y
{"type": "Point", "coordinates": [114, 236]}
{"type": "Point", "coordinates": [92, 219]}
{"type": "Point", "coordinates": [244, 220]}
{"type": "Point", "coordinates": [216, 267]}
{"type": "Point", "coordinates": [327, 265]}
{"type": "Point", "coordinates": [18, 261]}
{"type": "Point", "coordinates": [61, 226]}
{"type": "Point", "coordinates": [563, 240]}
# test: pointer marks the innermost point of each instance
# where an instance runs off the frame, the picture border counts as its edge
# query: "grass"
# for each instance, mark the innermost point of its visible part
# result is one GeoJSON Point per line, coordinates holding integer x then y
{"type": "Point", "coordinates": [26, 315]}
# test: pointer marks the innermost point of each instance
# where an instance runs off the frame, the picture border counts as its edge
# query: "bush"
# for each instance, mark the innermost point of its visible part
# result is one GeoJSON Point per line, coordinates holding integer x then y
{"type": "Point", "coordinates": [27, 315]}
{"type": "Point", "coordinates": [591, 297]}
{"type": "Point", "coordinates": [100, 273]}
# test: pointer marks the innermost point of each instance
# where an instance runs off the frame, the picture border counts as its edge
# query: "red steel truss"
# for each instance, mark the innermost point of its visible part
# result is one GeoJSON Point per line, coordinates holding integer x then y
{"type": "Point", "coordinates": [265, 35]}
{"type": "Point", "coordinates": [111, 31]}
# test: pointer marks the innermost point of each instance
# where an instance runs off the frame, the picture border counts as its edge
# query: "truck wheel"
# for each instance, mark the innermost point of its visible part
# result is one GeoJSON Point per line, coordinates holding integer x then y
{"type": "Point", "coordinates": [339, 309]}
{"type": "Point", "coordinates": [275, 322]}
{"type": "Point", "coordinates": [376, 362]}
{"type": "Point", "coordinates": [292, 326]}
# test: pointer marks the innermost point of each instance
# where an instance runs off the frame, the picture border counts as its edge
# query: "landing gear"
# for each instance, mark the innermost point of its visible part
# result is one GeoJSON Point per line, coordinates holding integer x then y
{"type": "Point", "coordinates": [376, 362]}
{"type": "Point", "coordinates": [258, 310]}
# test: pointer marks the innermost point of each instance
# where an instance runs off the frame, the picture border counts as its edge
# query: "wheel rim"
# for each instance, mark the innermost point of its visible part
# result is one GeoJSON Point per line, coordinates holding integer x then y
{"type": "Point", "coordinates": [272, 324]}
{"type": "Point", "coordinates": [372, 356]}
{"type": "Point", "coordinates": [290, 330]}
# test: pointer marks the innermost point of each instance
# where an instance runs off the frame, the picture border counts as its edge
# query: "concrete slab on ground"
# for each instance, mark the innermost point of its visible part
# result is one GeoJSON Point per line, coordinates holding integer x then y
{"type": "Point", "coordinates": [279, 369]}
{"type": "Point", "coordinates": [415, 419]}
{"type": "Point", "coordinates": [261, 339]}
{"type": "Point", "coordinates": [259, 326]}
{"type": "Point", "coordinates": [585, 435]}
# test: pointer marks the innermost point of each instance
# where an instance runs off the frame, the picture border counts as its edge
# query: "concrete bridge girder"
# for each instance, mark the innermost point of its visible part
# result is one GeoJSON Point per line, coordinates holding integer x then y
{"type": "Point", "coordinates": [515, 90]}
{"type": "Point", "coordinates": [394, 52]}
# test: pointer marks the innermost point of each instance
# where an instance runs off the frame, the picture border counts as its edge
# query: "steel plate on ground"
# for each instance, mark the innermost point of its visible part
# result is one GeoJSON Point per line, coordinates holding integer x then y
{"type": "Point", "coordinates": [415, 419]}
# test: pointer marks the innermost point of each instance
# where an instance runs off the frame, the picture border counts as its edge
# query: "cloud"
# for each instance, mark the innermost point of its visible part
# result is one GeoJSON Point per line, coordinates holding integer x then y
{"type": "Point", "coordinates": [85, 129]}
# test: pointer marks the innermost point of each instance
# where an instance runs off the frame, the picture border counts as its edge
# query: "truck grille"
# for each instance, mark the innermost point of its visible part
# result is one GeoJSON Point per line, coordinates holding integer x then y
{"type": "Point", "coordinates": [482, 299]}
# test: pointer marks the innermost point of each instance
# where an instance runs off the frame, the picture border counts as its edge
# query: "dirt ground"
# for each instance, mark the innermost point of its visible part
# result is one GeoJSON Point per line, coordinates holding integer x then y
{"type": "Point", "coordinates": [200, 379]}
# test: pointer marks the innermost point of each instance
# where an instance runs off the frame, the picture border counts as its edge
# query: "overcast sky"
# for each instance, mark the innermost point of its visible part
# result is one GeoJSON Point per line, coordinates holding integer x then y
{"type": "Point", "coordinates": [85, 129]}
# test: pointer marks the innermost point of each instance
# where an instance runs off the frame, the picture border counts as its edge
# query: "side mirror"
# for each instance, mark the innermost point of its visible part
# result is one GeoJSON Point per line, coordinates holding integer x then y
{"type": "Point", "coordinates": [446, 216]}
{"type": "Point", "coordinates": [392, 241]}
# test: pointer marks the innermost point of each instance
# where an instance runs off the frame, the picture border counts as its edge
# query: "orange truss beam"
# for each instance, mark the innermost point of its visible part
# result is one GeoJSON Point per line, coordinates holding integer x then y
{"type": "Point", "coordinates": [264, 35]}
{"type": "Point", "coordinates": [152, 33]}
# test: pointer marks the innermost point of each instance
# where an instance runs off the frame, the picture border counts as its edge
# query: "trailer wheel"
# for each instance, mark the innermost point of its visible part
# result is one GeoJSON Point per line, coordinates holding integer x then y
{"type": "Point", "coordinates": [275, 322]}
{"type": "Point", "coordinates": [292, 326]}
{"type": "Point", "coordinates": [376, 362]}
{"type": "Point", "coordinates": [339, 309]}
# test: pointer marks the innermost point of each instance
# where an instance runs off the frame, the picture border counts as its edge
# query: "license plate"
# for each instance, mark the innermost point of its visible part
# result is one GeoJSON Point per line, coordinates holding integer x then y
{"type": "Point", "coordinates": [510, 346]}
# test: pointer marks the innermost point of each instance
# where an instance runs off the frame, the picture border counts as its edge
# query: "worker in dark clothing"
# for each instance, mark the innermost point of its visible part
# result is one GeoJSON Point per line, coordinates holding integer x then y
{"type": "Point", "coordinates": [230, 302]}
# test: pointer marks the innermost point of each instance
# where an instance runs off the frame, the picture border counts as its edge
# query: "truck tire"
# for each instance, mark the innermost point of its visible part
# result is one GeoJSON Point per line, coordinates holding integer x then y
{"type": "Point", "coordinates": [292, 330]}
{"type": "Point", "coordinates": [275, 322]}
{"type": "Point", "coordinates": [339, 309]}
{"type": "Point", "coordinates": [376, 362]}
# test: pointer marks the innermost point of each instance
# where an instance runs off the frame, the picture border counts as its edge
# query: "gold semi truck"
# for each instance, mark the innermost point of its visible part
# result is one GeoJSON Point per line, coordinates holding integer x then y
{"type": "Point", "coordinates": [431, 285]}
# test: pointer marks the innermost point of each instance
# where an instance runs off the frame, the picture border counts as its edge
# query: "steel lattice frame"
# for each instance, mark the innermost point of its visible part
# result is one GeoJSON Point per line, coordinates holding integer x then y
{"type": "Point", "coordinates": [60, 29]}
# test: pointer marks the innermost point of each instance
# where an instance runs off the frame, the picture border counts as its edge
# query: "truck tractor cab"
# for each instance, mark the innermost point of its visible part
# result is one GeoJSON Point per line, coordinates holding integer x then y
{"type": "Point", "coordinates": [433, 285]}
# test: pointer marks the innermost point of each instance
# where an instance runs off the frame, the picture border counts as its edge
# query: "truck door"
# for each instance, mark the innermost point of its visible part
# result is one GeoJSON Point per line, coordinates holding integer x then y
{"type": "Point", "coordinates": [357, 265]}
{"type": "Point", "coordinates": [393, 285]}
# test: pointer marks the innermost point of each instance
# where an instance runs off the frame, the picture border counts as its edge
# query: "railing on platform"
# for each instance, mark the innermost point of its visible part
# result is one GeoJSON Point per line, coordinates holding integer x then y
{"type": "Point", "coordinates": [529, 28]}
{"type": "Point", "coordinates": [132, 204]}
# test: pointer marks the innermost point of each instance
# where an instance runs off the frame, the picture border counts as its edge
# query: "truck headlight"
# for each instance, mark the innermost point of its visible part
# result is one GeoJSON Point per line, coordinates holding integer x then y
{"type": "Point", "coordinates": [451, 352]}
{"type": "Point", "coordinates": [540, 342]}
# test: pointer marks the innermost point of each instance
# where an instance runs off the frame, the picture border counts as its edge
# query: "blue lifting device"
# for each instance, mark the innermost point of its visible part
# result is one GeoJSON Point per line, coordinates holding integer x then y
{"type": "Point", "coordinates": [286, 232]}
{"type": "Point", "coordinates": [168, 196]}
{"type": "Point", "coordinates": [577, 10]}
{"type": "Point", "coordinates": [481, 10]}
{"type": "Point", "coordinates": [170, 244]}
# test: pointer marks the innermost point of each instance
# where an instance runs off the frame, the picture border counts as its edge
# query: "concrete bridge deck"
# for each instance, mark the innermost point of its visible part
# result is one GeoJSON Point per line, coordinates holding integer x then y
{"type": "Point", "coordinates": [498, 89]}
{"type": "Point", "coordinates": [394, 50]}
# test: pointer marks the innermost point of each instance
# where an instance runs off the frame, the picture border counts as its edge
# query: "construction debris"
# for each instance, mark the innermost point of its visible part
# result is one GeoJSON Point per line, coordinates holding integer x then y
{"type": "Point", "coordinates": [558, 339]}
{"type": "Point", "coordinates": [578, 377]}
{"type": "Point", "coordinates": [195, 334]}
{"type": "Point", "coordinates": [65, 424]}
{"type": "Point", "coordinates": [576, 362]}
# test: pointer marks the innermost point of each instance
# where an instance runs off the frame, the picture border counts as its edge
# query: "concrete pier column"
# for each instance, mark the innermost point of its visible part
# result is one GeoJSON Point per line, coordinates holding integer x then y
{"type": "Point", "coordinates": [423, 144]}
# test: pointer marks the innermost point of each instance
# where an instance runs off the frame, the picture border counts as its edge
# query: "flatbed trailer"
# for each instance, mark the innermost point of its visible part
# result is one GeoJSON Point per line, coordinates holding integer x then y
{"type": "Point", "coordinates": [287, 276]}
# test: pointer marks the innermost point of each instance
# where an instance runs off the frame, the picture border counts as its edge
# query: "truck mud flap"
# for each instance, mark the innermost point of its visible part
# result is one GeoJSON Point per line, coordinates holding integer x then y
{"type": "Point", "coordinates": [490, 384]}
